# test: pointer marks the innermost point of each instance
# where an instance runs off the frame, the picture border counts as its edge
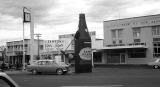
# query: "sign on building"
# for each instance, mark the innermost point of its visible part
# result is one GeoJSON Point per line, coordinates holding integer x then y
{"type": "Point", "coordinates": [54, 45]}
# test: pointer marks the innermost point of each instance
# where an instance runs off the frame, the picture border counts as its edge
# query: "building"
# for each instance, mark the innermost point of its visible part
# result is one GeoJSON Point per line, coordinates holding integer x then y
{"type": "Point", "coordinates": [131, 40]}
{"type": "Point", "coordinates": [68, 47]}
{"type": "Point", "coordinates": [15, 50]}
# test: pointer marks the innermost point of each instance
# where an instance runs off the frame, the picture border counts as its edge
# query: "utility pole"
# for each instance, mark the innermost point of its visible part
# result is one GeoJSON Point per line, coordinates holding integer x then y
{"type": "Point", "coordinates": [38, 35]}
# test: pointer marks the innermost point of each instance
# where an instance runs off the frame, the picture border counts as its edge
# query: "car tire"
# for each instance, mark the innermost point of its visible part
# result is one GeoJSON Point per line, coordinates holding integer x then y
{"type": "Point", "coordinates": [156, 66]}
{"type": "Point", "coordinates": [34, 72]}
{"type": "Point", "coordinates": [59, 71]}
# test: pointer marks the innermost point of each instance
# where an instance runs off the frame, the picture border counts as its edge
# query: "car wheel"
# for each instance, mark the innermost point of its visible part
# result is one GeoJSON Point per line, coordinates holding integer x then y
{"type": "Point", "coordinates": [34, 72]}
{"type": "Point", "coordinates": [59, 71]}
{"type": "Point", "coordinates": [156, 66]}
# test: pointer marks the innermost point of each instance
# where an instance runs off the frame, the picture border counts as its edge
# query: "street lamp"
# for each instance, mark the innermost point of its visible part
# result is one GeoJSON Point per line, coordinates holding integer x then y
{"type": "Point", "coordinates": [38, 35]}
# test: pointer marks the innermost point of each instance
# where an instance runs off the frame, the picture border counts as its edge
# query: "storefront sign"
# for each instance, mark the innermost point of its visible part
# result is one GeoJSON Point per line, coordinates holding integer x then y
{"type": "Point", "coordinates": [54, 45]}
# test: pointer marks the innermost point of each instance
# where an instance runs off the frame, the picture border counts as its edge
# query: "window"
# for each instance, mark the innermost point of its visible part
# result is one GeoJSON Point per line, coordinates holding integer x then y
{"type": "Point", "coordinates": [113, 58]}
{"type": "Point", "coordinates": [120, 41]}
{"type": "Point", "coordinates": [120, 33]}
{"type": "Point", "coordinates": [137, 53]}
{"type": "Point", "coordinates": [136, 32]}
{"type": "Point", "coordinates": [156, 49]}
{"type": "Point", "coordinates": [113, 33]}
{"type": "Point", "coordinates": [97, 57]}
{"type": "Point", "coordinates": [156, 30]}
{"type": "Point", "coordinates": [136, 40]}
{"type": "Point", "coordinates": [114, 42]}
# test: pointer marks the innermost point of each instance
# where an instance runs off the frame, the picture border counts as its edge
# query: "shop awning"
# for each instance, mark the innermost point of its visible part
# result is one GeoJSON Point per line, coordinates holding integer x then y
{"type": "Point", "coordinates": [124, 46]}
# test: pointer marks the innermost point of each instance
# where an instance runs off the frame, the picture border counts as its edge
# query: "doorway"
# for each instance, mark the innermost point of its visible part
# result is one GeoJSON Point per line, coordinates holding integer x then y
{"type": "Point", "coordinates": [122, 58]}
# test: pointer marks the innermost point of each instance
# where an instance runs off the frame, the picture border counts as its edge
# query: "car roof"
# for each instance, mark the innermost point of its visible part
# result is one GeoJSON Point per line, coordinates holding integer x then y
{"type": "Point", "coordinates": [44, 60]}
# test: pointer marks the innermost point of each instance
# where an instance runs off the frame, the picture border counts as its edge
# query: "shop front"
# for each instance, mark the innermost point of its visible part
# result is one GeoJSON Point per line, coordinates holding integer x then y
{"type": "Point", "coordinates": [124, 54]}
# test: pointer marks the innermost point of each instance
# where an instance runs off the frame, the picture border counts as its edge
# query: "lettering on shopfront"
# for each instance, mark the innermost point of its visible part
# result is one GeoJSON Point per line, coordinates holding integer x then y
{"type": "Point", "coordinates": [54, 45]}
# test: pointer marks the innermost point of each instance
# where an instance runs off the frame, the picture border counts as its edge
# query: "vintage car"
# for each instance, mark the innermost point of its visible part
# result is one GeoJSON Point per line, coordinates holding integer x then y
{"type": "Point", "coordinates": [49, 66]}
{"type": "Point", "coordinates": [6, 64]}
{"type": "Point", "coordinates": [6, 81]}
{"type": "Point", "coordinates": [155, 64]}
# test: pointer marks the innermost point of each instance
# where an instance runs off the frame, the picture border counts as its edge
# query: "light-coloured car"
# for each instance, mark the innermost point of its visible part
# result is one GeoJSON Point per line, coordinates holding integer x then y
{"type": "Point", "coordinates": [50, 66]}
{"type": "Point", "coordinates": [155, 64]}
{"type": "Point", "coordinates": [6, 81]}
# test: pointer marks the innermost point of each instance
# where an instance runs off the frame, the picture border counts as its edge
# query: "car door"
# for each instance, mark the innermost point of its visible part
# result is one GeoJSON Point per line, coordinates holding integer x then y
{"type": "Point", "coordinates": [50, 67]}
{"type": "Point", "coordinates": [40, 67]}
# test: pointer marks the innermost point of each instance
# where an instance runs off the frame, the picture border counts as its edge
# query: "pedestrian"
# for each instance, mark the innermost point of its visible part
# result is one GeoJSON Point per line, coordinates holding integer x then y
{"type": "Point", "coordinates": [3, 65]}
{"type": "Point", "coordinates": [17, 65]}
{"type": "Point", "coordinates": [10, 67]}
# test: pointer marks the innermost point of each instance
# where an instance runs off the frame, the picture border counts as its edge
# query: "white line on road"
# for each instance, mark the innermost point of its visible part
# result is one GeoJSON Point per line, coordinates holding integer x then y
{"type": "Point", "coordinates": [96, 86]}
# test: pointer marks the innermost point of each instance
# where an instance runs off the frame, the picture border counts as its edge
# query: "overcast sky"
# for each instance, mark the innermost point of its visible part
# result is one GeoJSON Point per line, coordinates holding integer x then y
{"type": "Point", "coordinates": [57, 17]}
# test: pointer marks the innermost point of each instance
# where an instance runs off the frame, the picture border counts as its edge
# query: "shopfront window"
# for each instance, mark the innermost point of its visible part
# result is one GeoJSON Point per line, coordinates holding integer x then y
{"type": "Point", "coordinates": [97, 57]}
{"type": "Point", "coordinates": [156, 49]}
{"type": "Point", "coordinates": [137, 53]}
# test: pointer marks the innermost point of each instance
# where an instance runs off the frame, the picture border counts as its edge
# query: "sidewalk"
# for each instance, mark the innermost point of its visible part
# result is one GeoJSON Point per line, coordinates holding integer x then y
{"type": "Point", "coordinates": [15, 72]}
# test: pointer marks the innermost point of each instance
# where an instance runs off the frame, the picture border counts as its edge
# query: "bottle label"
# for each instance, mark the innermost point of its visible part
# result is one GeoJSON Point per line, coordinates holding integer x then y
{"type": "Point", "coordinates": [85, 53]}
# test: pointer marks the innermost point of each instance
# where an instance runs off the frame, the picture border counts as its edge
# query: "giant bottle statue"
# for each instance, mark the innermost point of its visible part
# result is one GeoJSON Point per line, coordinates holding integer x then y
{"type": "Point", "coordinates": [83, 54]}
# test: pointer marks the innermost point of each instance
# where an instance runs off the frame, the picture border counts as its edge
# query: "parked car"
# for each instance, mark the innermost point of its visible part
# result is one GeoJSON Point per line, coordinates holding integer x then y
{"type": "Point", "coordinates": [6, 81]}
{"type": "Point", "coordinates": [50, 66]}
{"type": "Point", "coordinates": [6, 64]}
{"type": "Point", "coordinates": [155, 64]}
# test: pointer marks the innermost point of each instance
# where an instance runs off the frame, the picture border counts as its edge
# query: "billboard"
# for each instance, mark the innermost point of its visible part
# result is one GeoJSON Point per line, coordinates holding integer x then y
{"type": "Point", "coordinates": [54, 45]}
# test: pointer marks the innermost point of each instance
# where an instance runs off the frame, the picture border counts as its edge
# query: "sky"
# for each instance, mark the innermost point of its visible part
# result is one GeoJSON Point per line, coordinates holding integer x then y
{"type": "Point", "coordinates": [58, 17]}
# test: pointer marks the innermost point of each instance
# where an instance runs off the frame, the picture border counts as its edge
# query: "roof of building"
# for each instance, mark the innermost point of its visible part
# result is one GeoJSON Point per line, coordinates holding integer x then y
{"type": "Point", "coordinates": [132, 18]}
{"type": "Point", "coordinates": [21, 40]}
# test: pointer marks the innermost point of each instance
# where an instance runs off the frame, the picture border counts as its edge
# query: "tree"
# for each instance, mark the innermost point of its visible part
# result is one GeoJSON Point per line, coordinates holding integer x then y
{"type": "Point", "coordinates": [2, 53]}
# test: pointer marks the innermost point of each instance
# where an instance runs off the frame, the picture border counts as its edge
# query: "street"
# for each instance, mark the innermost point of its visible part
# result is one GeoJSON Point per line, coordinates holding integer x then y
{"type": "Point", "coordinates": [106, 77]}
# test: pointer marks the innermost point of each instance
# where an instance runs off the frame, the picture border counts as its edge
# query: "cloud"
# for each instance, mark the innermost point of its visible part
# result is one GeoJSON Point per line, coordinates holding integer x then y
{"type": "Point", "coordinates": [15, 8]}
{"type": "Point", "coordinates": [109, 10]}
{"type": "Point", "coordinates": [54, 17]}
{"type": "Point", "coordinates": [8, 22]}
